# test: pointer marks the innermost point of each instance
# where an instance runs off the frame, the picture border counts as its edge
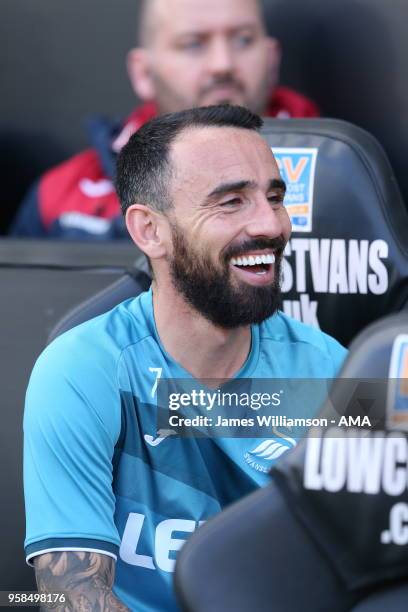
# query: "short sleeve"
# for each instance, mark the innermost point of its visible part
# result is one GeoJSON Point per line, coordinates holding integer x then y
{"type": "Point", "coordinates": [71, 424]}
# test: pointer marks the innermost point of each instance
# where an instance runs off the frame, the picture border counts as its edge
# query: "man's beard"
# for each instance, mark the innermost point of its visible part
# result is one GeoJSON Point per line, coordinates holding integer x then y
{"type": "Point", "coordinates": [210, 290]}
{"type": "Point", "coordinates": [170, 100]}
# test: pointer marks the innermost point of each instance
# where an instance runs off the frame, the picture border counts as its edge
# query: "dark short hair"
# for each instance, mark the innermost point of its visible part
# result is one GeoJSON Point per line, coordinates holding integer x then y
{"type": "Point", "coordinates": [143, 166]}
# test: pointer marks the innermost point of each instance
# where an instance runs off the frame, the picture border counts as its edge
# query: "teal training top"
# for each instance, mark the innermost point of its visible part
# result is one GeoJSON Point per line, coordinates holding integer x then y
{"type": "Point", "coordinates": [98, 478]}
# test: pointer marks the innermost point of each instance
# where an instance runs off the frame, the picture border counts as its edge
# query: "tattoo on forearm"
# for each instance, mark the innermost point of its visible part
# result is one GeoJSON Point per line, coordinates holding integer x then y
{"type": "Point", "coordinates": [85, 578]}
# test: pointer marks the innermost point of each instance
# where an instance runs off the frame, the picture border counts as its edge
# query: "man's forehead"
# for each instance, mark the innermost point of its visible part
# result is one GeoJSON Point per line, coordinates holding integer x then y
{"type": "Point", "coordinates": [209, 155]}
{"type": "Point", "coordinates": [181, 16]}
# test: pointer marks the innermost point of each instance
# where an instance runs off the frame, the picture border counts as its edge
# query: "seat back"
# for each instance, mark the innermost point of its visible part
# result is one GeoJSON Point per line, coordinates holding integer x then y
{"type": "Point", "coordinates": [346, 264]}
{"type": "Point", "coordinates": [329, 532]}
{"type": "Point", "coordinates": [130, 284]}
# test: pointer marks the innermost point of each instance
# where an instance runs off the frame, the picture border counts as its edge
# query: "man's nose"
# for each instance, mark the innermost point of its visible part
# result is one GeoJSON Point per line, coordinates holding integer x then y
{"type": "Point", "coordinates": [265, 221]}
{"type": "Point", "coordinates": [220, 60]}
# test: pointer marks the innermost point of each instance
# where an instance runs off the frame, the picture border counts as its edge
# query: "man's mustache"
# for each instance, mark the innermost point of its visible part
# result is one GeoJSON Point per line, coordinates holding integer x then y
{"type": "Point", "coordinates": [226, 81]}
{"type": "Point", "coordinates": [257, 244]}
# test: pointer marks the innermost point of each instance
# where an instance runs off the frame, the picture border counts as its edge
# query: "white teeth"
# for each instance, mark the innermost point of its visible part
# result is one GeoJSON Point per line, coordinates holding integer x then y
{"type": "Point", "coordinates": [253, 261]}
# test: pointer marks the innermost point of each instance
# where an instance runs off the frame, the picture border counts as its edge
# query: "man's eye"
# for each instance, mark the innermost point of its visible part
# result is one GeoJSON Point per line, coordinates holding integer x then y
{"type": "Point", "coordinates": [244, 40]}
{"type": "Point", "coordinates": [276, 200]}
{"type": "Point", "coordinates": [232, 202]}
{"type": "Point", "coordinates": [192, 45]}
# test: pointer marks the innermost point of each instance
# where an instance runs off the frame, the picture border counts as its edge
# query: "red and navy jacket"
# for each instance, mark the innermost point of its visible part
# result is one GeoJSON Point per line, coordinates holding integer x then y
{"type": "Point", "coordinates": [77, 200]}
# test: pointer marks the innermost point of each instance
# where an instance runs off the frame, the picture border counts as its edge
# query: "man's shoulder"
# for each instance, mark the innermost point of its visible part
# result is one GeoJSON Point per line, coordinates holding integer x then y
{"type": "Point", "coordinates": [79, 373]}
{"type": "Point", "coordinates": [105, 140]}
{"type": "Point", "coordinates": [288, 103]}
{"type": "Point", "coordinates": [99, 342]}
{"type": "Point", "coordinates": [76, 185]}
{"type": "Point", "coordinates": [85, 161]}
{"type": "Point", "coordinates": [283, 328]}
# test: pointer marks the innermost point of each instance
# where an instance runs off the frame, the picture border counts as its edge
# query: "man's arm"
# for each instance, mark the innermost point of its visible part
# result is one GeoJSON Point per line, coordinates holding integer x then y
{"type": "Point", "coordinates": [85, 578]}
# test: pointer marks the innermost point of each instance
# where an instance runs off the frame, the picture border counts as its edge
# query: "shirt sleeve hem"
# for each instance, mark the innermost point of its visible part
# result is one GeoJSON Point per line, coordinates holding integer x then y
{"type": "Point", "coordinates": [70, 544]}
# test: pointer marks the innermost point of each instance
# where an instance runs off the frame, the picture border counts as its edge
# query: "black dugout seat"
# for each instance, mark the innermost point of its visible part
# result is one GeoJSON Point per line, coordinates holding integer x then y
{"type": "Point", "coordinates": [330, 532]}
{"type": "Point", "coordinates": [134, 281]}
{"type": "Point", "coordinates": [40, 281]}
{"type": "Point", "coordinates": [347, 260]}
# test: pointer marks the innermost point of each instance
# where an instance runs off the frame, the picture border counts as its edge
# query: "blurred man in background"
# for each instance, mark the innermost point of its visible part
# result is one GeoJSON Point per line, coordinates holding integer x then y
{"type": "Point", "coordinates": [191, 53]}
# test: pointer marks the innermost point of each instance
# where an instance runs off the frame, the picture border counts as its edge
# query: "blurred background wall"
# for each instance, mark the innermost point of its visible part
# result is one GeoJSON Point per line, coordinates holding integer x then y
{"type": "Point", "coordinates": [62, 61]}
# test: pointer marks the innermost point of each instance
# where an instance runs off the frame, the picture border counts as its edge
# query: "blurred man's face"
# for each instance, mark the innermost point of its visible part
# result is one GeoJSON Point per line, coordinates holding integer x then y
{"type": "Point", "coordinates": [203, 52]}
{"type": "Point", "coordinates": [229, 226]}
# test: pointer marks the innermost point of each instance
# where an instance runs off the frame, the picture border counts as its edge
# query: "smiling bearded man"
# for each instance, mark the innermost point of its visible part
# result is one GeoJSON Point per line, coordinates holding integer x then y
{"type": "Point", "coordinates": [203, 199]}
{"type": "Point", "coordinates": [227, 226]}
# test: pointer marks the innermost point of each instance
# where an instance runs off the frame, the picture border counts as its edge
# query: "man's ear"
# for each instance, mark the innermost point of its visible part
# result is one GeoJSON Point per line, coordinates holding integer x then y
{"type": "Point", "coordinates": [138, 67]}
{"type": "Point", "coordinates": [145, 228]}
